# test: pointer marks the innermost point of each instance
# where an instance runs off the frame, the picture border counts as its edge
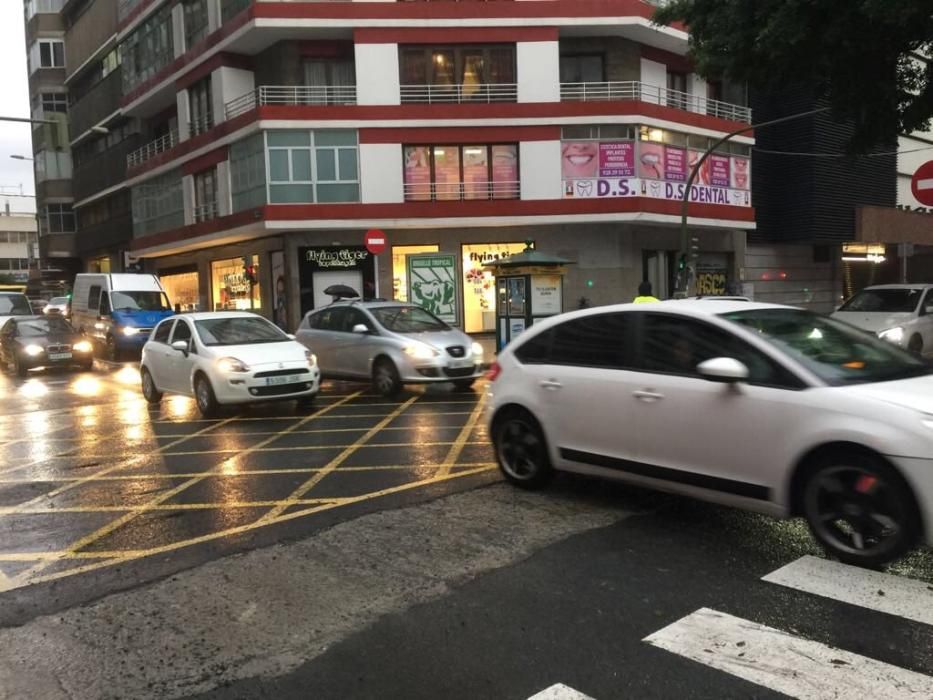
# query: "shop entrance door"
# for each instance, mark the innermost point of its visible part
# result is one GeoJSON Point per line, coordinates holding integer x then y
{"type": "Point", "coordinates": [323, 280]}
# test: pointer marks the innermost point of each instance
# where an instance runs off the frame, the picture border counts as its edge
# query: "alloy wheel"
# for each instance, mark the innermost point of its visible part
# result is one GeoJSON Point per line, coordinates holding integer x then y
{"type": "Point", "coordinates": [521, 451]}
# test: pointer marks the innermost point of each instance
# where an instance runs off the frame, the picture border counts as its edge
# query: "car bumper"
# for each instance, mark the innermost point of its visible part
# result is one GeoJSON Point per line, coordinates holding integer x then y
{"type": "Point", "coordinates": [232, 389]}
{"type": "Point", "coordinates": [132, 342]}
{"type": "Point", "coordinates": [441, 370]}
{"type": "Point", "coordinates": [919, 475]}
{"type": "Point", "coordinates": [43, 360]}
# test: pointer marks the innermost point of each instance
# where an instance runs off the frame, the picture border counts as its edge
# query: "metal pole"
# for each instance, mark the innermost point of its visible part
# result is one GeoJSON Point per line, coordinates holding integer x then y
{"type": "Point", "coordinates": [27, 121]}
{"type": "Point", "coordinates": [683, 286]}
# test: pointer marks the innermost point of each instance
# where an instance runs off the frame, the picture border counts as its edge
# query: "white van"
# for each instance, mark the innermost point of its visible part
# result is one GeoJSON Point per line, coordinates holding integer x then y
{"type": "Point", "coordinates": [118, 311]}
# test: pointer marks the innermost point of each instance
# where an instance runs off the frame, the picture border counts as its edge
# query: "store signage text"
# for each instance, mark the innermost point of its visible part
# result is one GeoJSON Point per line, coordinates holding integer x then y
{"type": "Point", "coordinates": [915, 210]}
{"type": "Point", "coordinates": [343, 257]}
{"type": "Point", "coordinates": [656, 189]}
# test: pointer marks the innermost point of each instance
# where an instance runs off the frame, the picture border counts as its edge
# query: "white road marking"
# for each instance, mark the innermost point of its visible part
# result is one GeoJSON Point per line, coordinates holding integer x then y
{"type": "Point", "coordinates": [926, 184]}
{"type": "Point", "coordinates": [894, 595]}
{"type": "Point", "coordinates": [559, 691]}
{"type": "Point", "coordinates": [784, 663]}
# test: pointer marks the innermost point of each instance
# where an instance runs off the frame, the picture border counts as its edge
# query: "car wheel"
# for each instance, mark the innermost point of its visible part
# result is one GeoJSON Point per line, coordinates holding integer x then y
{"type": "Point", "coordinates": [150, 392]}
{"type": "Point", "coordinates": [305, 401]}
{"type": "Point", "coordinates": [385, 378]}
{"type": "Point", "coordinates": [860, 509]}
{"type": "Point", "coordinates": [464, 384]}
{"type": "Point", "coordinates": [19, 368]}
{"type": "Point", "coordinates": [915, 345]}
{"type": "Point", "coordinates": [521, 450]}
{"type": "Point", "coordinates": [204, 396]}
{"type": "Point", "coordinates": [111, 353]}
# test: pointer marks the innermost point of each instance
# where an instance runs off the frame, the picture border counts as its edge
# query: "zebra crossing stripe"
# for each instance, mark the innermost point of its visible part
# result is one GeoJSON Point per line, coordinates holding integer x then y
{"type": "Point", "coordinates": [784, 663]}
{"type": "Point", "coordinates": [894, 595]}
{"type": "Point", "coordinates": [559, 691]}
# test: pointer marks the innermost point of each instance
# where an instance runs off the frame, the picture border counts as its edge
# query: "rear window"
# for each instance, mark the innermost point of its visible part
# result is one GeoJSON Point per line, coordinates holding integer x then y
{"type": "Point", "coordinates": [885, 301]}
{"type": "Point", "coordinates": [14, 305]}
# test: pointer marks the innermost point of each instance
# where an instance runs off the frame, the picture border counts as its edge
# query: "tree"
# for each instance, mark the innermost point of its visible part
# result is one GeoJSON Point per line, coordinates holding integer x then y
{"type": "Point", "coordinates": [866, 57]}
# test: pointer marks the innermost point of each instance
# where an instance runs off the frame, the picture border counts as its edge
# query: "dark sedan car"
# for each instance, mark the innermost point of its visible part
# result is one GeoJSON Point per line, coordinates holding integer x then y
{"type": "Point", "coordinates": [28, 342]}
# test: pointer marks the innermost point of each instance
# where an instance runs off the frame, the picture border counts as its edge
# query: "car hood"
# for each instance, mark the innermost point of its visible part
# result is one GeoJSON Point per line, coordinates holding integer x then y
{"type": "Point", "coordinates": [262, 353]}
{"type": "Point", "coordinates": [46, 340]}
{"type": "Point", "coordinates": [915, 393]}
{"type": "Point", "coordinates": [441, 340]}
{"type": "Point", "coordinates": [873, 322]}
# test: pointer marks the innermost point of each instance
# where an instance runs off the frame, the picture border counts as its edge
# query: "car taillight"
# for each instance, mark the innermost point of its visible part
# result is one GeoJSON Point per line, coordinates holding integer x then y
{"type": "Point", "coordinates": [494, 371]}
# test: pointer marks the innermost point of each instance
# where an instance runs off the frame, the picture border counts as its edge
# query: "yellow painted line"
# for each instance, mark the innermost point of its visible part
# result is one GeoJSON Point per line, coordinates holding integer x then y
{"type": "Point", "coordinates": [340, 416]}
{"type": "Point", "coordinates": [162, 507]}
{"type": "Point", "coordinates": [335, 462]}
{"type": "Point", "coordinates": [165, 496]}
{"type": "Point", "coordinates": [462, 439]}
{"type": "Point", "coordinates": [230, 475]}
{"type": "Point", "coordinates": [121, 557]}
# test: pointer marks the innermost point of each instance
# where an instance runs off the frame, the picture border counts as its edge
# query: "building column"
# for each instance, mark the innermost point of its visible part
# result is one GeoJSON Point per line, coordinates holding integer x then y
{"type": "Point", "coordinates": [377, 74]}
{"type": "Point", "coordinates": [187, 195]}
{"type": "Point", "coordinates": [184, 115]}
{"type": "Point", "coordinates": [213, 16]}
{"type": "Point", "coordinates": [178, 30]}
{"type": "Point", "coordinates": [698, 89]}
{"type": "Point", "coordinates": [224, 190]}
{"type": "Point", "coordinates": [227, 84]}
{"type": "Point", "coordinates": [538, 64]}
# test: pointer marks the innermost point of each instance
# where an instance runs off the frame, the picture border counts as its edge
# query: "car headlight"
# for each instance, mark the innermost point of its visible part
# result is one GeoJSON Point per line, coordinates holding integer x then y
{"type": "Point", "coordinates": [311, 357]}
{"type": "Point", "coordinates": [33, 350]}
{"type": "Point", "coordinates": [477, 349]}
{"type": "Point", "coordinates": [231, 364]}
{"type": "Point", "coordinates": [892, 335]}
{"type": "Point", "coordinates": [420, 351]}
{"type": "Point", "coordinates": [82, 346]}
{"type": "Point", "coordinates": [130, 330]}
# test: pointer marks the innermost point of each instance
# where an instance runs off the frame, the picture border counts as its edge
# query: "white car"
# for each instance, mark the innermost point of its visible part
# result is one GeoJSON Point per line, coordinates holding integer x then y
{"type": "Point", "coordinates": [226, 358]}
{"type": "Point", "coordinates": [762, 407]}
{"type": "Point", "coordinates": [900, 313]}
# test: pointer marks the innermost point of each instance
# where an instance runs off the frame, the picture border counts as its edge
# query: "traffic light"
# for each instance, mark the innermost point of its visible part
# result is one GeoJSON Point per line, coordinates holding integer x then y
{"type": "Point", "coordinates": [682, 262]}
{"type": "Point", "coordinates": [249, 270]}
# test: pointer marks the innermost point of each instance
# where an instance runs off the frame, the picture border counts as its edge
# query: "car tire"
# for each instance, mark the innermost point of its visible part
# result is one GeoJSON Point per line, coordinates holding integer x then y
{"type": "Point", "coordinates": [521, 449]}
{"type": "Point", "coordinates": [19, 369]}
{"type": "Point", "coordinates": [915, 345]}
{"type": "Point", "coordinates": [111, 352]}
{"type": "Point", "coordinates": [150, 392]}
{"type": "Point", "coordinates": [860, 509]}
{"type": "Point", "coordinates": [204, 396]}
{"type": "Point", "coordinates": [464, 384]}
{"type": "Point", "coordinates": [305, 401]}
{"type": "Point", "coordinates": [386, 380]}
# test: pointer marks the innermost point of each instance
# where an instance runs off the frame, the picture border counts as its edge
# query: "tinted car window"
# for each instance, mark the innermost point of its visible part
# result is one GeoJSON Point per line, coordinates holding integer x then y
{"type": "Point", "coordinates": [600, 340]}
{"type": "Point", "coordinates": [14, 305]}
{"type": "Point", "coordinates": [93, 297]}
{"type": "Point", "coordinates": [354, 317]}
{"type": "Point", "coordinates": [537, 350]}
{"type": "Point", "coordinates": [37, 327]}
{"type": "Point", "coordinates": [182, 331]}
{"type": "Point", "coordinates": [162, 331]}
{"type": "Point", "coordinates": [884, 301]}
{"type": "Point", "coordinates": [676, 345]}
{"type": "Point", "coordinates": [334, 320]}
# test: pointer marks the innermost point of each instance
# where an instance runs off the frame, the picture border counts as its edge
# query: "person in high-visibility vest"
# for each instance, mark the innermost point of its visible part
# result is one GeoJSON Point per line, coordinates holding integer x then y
{"type": "Point", "coordinates": [644, 294]}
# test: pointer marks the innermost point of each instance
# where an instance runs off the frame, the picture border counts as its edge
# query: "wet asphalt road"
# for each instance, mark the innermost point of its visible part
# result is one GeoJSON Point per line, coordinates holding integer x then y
{"type": "Point", "coordinates": [99, 491]}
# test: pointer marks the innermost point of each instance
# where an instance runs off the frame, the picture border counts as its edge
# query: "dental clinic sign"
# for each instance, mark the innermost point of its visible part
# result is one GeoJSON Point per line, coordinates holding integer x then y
{"type": "Point", "coordinates": [655, 189]}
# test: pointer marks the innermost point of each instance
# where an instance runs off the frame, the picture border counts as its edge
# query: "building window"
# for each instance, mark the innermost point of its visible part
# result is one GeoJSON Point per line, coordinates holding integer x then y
{"type": "Point", "coordinates": [148, 49]}
{"type": "Point", "coordinates": [49, 103]}
{"type": "Point", "coordinates": [205, 195]}
{"type": "Point", "coordinates": [230, 289]}
{"type": "Point", "coordinates": [195, 15]}
{"type": "Point", "coordinates": [319, 166]}
{"type": "Point", "coordinates": [52, 165]}
{"type": "Point", "coordinates": [479, 284]}
{"type": "Point", "coordinates": [158, 204]}
{"type": "Point", "coordinates": [329, 81]}
{"type": "Point", "coordinates": [468, 172]}
{"type": "Point", "coordinates": [200, 107]}
{"type": "Point", "coordinates": [248, 173]}
{"type": "Point", "coordinates": [110, 62]}
{"type": "Point", "coordinates": [582, 68]}
{"type": "Point", "coordinates": [183, 289]}
{"type": "Point", "coordinates": [40, 7]}
{"type": "Point", "coordinates": [457, 73]}
{"type": "Point", "coordinates": [59, 218]}
{"type": "Point", "coordinates": [677, 90]}
{"type": "Point", "coordinates": [46, 53]}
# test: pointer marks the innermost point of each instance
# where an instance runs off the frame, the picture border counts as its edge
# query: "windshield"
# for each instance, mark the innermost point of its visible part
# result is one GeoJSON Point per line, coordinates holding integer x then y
{"type": "Point", "coordinates": [14, 305]}
{"type": "Point", "coordinates": [139, 301]}
{"type": "Point", "coordinates": [33, 328]}
{"type": "Point", "coordinates": [834, 351]}
{"type": "Point", "coordinates": [884, 301]}
{"type": "Point", "coordinates": [239, 330]}
{"type": "Point", "coordinates": [408, 319]}
{"type": "Point", "coordinates": [59, 301]}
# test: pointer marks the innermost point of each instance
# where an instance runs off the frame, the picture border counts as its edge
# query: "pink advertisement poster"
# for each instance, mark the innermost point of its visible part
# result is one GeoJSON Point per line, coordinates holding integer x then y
{"type": "Point", "coordinates": [703, 177]}
{"type": "Point", "coordinates": [675, 164]}
{"type": "Point", "coordinates": [447, 172]}
{"type": "Point", "coordinates": [651, 161]}
{"type": "Point", "coordinates": [505, 172]}
{"type": "Point", "coordinates": [719, 171]}
{"type": "Point", "coordinates": [741, 173]}
{"type": "Point", "coordinates": [579, 159]}
{"type": "Point", "coordinates": [617, 159]}
{"type": "Point", "coordinates": [417, 173]}
{"type": "Point", "coordinates": [475, 173]}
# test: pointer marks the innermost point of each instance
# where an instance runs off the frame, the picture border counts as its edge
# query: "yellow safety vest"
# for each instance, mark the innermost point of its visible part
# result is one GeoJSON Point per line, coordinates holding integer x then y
{"type": "Point", "coordinates": [645, 300]}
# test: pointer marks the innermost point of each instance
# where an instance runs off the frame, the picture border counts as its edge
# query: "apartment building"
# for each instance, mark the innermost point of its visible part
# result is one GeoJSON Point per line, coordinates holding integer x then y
{"type": "Point", "coordinates": [18, 246]}
{"type": "Point", "coordinates": [274, 135]}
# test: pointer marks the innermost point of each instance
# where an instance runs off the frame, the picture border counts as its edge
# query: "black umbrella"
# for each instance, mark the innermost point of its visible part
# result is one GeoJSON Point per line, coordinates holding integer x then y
{"type": "Point", "coordinates": [341, 291]}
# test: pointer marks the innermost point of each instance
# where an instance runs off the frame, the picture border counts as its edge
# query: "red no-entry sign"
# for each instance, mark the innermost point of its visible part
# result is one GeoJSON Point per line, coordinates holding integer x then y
{"type": "Point", "coordinates": [922, 184]}
{"type": "Point", "coordinates": [375, 241]}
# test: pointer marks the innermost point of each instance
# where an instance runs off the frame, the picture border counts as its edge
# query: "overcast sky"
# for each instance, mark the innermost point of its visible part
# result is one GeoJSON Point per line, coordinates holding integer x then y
{"type": "Point", "coordinates": [14, 102]}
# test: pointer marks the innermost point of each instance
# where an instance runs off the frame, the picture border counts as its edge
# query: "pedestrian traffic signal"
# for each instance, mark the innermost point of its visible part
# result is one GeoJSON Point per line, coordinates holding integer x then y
{"type": "Point", "coordinates": [682, 262]}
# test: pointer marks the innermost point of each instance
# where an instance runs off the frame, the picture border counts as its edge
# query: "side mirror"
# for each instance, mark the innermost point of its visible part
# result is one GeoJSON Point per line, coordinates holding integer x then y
{"type": "Point", "coordinates": [727, 370]}
{"type": "Point", "coordinates": [181, 346]}
{"type": "Point", "coordinates": [361, 329]}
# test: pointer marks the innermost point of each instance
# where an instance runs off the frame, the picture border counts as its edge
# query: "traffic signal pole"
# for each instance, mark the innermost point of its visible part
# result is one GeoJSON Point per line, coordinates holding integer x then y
{"type": "Point", "coordinates": [690, 251]}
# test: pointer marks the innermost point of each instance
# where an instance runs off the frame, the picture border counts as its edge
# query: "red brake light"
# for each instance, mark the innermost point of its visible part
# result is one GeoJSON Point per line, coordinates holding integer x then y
{"type": "Point", "coordinates": [494, 371]}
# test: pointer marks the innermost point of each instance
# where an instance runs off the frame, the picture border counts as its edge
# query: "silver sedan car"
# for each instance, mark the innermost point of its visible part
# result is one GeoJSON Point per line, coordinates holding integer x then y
{"type": "Point", "coordinates": [390, 344]}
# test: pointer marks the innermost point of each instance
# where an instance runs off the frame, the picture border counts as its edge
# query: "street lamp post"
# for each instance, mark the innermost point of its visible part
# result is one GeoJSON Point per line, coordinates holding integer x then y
{"type": "Point", "coordinates": [683, 286]}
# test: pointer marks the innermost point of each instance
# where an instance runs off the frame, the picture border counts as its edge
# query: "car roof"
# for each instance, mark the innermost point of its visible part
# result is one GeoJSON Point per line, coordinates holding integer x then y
{"type": "Point", "coordinates": [371, 304]}
{"type": "Point", "coordinates": [7, 293]}
{"type": "Point", "coordinates": [919, 285]}
{"type": "Point", "coordinates": [208, 315]}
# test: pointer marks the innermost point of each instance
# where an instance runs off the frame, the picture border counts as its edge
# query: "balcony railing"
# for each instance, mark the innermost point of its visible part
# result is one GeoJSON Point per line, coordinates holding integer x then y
{"type": "Point", "coordinates": [200, 124]}
{"type": "Point", "coordinates": [634, 90]}
{"type": "Point", "coordinates": [460, 191]}
{"type": "Point", "coordinates": [205, 212]}
{"type": "Point", "coordinates": [152, 149]}
{"type": "Point", "coordinates": [483, 92]}
{"type": "Point", "coordinates": [291, 95]}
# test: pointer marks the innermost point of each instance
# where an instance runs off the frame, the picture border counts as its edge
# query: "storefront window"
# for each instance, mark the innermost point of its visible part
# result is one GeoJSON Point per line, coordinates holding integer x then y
{"type": "Point", "coordinates": [400, 267]}
{"type": "Point", "coordinates": [183, 290]}
{"type": "Point", "coordinates": [230, 289]}
{"type": "Point", "coordinates": [479, 284]}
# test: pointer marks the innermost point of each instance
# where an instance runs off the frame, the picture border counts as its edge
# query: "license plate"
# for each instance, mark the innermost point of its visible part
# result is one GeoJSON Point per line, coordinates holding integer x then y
{"type": "Point", "coordinates": [290, 379]}
{"type": "Point", "coordinates": [59, 355]}
{"type": "Point", "coordinates": [460, 364]}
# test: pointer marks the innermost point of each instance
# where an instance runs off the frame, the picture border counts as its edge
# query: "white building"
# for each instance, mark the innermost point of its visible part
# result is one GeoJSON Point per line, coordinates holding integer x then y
{"type": "Point", "coordinates": [18, 245]}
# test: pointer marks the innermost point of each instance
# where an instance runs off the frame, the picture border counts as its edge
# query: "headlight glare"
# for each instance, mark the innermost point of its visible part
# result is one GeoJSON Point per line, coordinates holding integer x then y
{"type": "Point", "coordinates": [130, 330]}
{"type": "Point", "coordinates": [477, 349]}
{"type": "Point", "coordinates": [420, 351]}
{"type": "Point", "coordinates": [311, 357]}
{"type": "Point", "coordinates": [232, 364]}
{"type": "Point", "coordinates": [33, 350]}
{"type": "Point", "coordinates": [892, 335]}
{"type": "Point", "coordinates": [82, 346]}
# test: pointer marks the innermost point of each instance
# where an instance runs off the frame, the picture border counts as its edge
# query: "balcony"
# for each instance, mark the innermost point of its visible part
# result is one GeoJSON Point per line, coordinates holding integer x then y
{"type": "Point", "coordinates": [103, 171]}
{"type": "Point", "coordinates": [112, 233]}
{"type": "Point", "coordinates": [460, 191]}
{"type": "Point", "coordinates": [205, 212]}
{"type": "Point", "coordinates": [634, 90]}
{"type": "Point", "coordinates": [152, 149]}
{"type": "Point", "coordinates": [446, 94]}
{"type": "Point", "coordinates": [291, 95]}
{"type": "Point", "coordinates": [200, 124]}
{"type": "Point", "coordinates": [100, 102]}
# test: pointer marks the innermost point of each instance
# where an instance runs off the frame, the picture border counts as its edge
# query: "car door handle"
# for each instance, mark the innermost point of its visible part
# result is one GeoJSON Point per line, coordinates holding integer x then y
{"type": "Point", "coordinates": [647, 395]}
{"type": "Point", "coordinates": [550, 384]}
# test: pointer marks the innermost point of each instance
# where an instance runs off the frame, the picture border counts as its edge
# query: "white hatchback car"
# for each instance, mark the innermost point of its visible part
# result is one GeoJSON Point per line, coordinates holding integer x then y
{"type": "Point", "coordinates": [900, 313]}
{"type": "Point", "coordinates": [763, 407]}
{"type": "Point", "coordinates": [226, 358]}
